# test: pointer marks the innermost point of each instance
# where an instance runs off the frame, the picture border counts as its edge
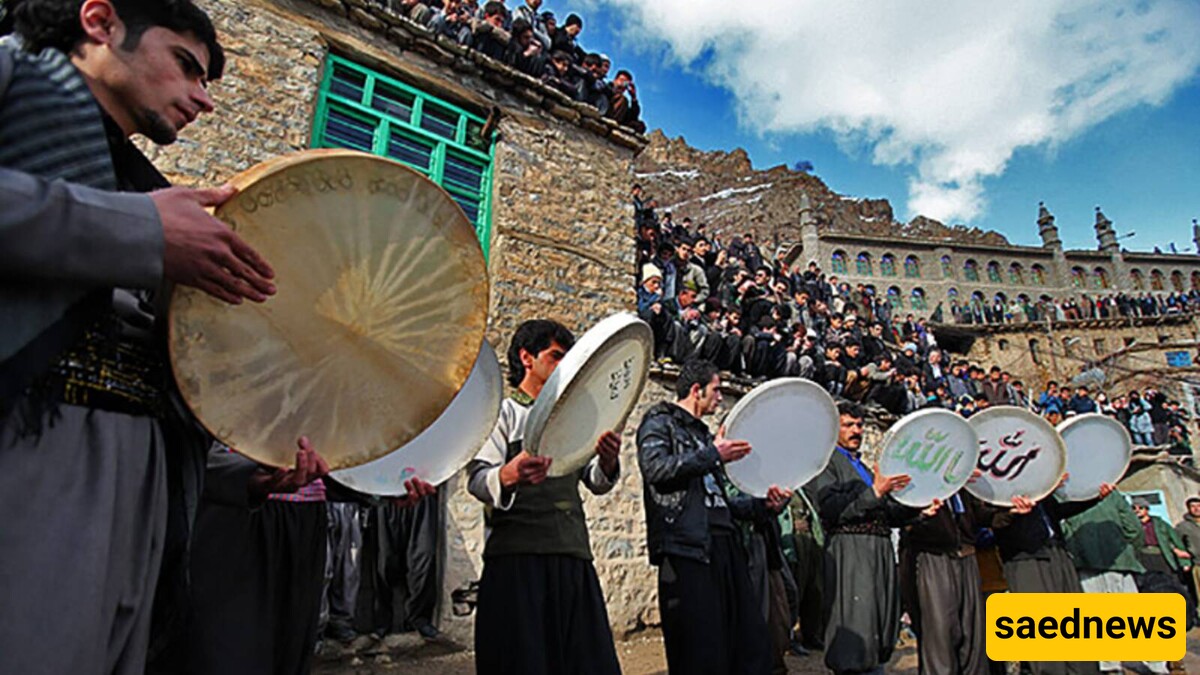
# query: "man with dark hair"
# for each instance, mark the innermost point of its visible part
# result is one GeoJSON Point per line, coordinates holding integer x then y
{"type": "Point", "coordinates": [1189, 529]}
{"type": "Point", "coordinates": [557, 74]}
{"type": "Point", "coordinates": [87, 438]}
{"type": "Point", "coordinates": [564, 39]}
{"type": "Point", "coordinates": [595, 91]}
{"type": "Point", "coordinates": [536, 21]}
{"type": "Point", "coordinates": [524, 51]}
{"type": "Point", "coordinates": [711, 618]}
{"type": "Point", "coordinates": [626, 110]}
{"type": "Point", "coordinates": [995, 390]}
{"type": "Point", "coordinates": [490, 37]}
{"type": "Point", "coordinates": [540, 608]}
{"type": "Point", "coordinates": [857, 512]}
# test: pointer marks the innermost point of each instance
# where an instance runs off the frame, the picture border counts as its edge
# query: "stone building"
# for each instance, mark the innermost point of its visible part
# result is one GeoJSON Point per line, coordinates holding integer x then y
{"type": "Point", "coordinates": [917, 274]}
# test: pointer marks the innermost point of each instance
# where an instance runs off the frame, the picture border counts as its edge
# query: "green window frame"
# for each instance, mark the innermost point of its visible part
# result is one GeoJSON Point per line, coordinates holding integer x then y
{"type": "Point", "coordinates": [361, 109]}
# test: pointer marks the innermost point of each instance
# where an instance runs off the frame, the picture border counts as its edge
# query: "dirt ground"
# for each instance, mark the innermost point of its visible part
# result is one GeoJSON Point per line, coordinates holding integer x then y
{"type": "Point", "coordinates": [640, 656]}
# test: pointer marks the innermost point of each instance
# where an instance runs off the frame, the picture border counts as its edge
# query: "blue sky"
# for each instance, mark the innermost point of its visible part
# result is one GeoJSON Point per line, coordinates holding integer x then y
{"type": "Point", "coordinates": [1110, 118]}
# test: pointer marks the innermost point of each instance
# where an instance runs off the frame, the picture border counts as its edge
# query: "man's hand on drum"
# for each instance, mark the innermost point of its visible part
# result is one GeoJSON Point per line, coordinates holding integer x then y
{"type": "Point", "coordinates": [885, 485]}
{"type": "Point", "coordinates": [203, 252]}
{"type": "Point", "coordinates": [931, 510]}
{"type": "Point", "coordinates": [1107, 489]}
{"type": "Point", "coordinates": [1063, 481]}
{"type": "Point", "coordinates": [524, 469]}
{"type": "Point", "coordinates": [309, 467]}
{"type": "Point", "coordinates": [608, 449]}
{"type": "Point", "coordinates": [415, 490]}
{"type": "Point", "coordinates": [730, 450]}
{"type": "Point", "coordinates": [777, 498]}
{"type": "Point", "coordinates": [1022, 505]}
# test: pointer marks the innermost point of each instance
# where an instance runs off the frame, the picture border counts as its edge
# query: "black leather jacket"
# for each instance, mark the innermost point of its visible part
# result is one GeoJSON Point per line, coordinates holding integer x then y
{"type": "Point", "coordinates": [675, 453]}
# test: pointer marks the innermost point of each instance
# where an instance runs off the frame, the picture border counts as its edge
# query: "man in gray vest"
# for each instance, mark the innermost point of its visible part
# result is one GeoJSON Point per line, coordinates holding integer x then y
{"type": "Point", "coordinates": [541, 610]}
{"type": "Point", "coordinates": [85, 405]}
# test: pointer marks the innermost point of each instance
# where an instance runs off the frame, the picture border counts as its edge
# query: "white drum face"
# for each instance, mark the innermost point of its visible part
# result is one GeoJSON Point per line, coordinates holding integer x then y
{"type": "Point", "coordinates": [792, 427]}
{"type": "Point", "coordinates": [447, 445]}
{"type": "Point", "coordinates": [593, 390]}
{"type": "Point", "coordinates": [1020, 454]}
{"type": "Point", "coordinates": [1098, 451]}
{"type": "Point", "coordinates": [938, 449]}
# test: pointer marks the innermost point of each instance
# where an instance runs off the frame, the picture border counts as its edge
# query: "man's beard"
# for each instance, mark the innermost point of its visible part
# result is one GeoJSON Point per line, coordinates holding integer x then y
{"type": "Point", "coordinates": [157, 129]}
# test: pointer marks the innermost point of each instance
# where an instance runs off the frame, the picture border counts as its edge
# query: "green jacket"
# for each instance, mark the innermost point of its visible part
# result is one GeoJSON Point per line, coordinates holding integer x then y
{"type": "Point", "coordinates": [791, 523]}
{"type": "Point", "coordinates": [1189, 529]}
{"type": "Point", "coordinates": [1105, 538]}
{"type": "Point", "coordinates": [1169, 539]}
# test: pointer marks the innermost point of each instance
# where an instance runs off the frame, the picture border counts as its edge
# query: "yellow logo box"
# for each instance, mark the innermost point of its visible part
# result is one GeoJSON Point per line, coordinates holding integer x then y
{"type": "Point", "coordinates": [1086, 627]}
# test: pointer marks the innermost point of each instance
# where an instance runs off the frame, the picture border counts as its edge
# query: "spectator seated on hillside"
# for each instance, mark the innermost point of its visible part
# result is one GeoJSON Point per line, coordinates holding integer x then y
{"type": "Point", "coordinates": [557, 74]}
{"type": "Point", "coordinates": [524, 50]}
{"type": "Point", "coordinates": [489, 36]}
{"type": "Point", "coordinates": [764, 349]}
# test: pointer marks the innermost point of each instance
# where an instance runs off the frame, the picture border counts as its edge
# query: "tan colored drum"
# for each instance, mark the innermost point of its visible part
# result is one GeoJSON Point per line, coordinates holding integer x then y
{"type": "Point", "coordinates": [380, 311]}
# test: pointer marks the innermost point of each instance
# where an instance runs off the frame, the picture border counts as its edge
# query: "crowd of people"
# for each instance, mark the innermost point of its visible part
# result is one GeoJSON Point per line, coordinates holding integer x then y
{"type": "Point", "coordinates": [760, 318]}
{"type": "Point", "coordinates": [536, 43]}
{"type": "Point", "coordinates": [1083, 307]}
{"type": "Point", "coordinates": [137, 543]}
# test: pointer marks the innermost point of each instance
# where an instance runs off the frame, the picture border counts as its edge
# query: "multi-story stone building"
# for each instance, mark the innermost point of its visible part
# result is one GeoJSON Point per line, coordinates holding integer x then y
{"type": "Point", "coordinates": [917, 274]}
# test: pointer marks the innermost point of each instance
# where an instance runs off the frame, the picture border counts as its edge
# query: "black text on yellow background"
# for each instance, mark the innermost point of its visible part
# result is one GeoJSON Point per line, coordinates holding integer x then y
{"type": "Point", "coordinates": [1086, 627]}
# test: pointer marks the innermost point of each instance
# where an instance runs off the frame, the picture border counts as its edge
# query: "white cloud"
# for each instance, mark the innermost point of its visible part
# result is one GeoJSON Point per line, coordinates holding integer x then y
{"type": "Point", "coordinates": [949, 88]}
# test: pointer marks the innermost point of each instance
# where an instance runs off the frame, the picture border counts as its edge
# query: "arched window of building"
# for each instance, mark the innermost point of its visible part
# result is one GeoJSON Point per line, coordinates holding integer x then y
{"type": "Point", "coordinates": [895, 299]}
{"type": "Point", "coordinates": [1016, 274]}
{"type": "Point", "coordinates": [971, 270]}
{"type": "Point", "coordinates": [887, 265]}
{"type": "Point", "coordinates": [1100, 277]}
{"type": "Point", "coordinates": [1068, 345]}
{"type": "Point", "coordinates": [952, 293]}
{"type": "Point", "coordinates": [947, 267]}
{"type": "Point", "coordinates": [864, 265]}
{"type": "Point", "coordinates": [1138, 279]}
{"type": "Point", "coordinates": [1078, 277]}
{"type": "Point", "coordinates": [993, 269]}
{"type": "Point", "coordinates": [1157, 282]}
{"type": "Point", "coordinates": [1039, 275]}
{"type": "Point", "coordinates": [1001, 298]}
{"type": "Point", "coordinates": [1002, 344]}
{"type": "Point", "coordinates": [1196, 280]}
{"type": "Point", "coordinates": [977, 299]}
{"type": "Point", "coordinates": [839, 262]}
{"type": "Point", "coordinates": [1177, 280]}
{"type": "Point", "coordinates": [1035, 351]}
{"type": "Point", "coordinates": [912, 267]}
{"type": "Point", "coordinates": [918, 299]}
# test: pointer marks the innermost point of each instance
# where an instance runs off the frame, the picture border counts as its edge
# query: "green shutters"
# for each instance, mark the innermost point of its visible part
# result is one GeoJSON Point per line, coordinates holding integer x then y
{"type": "Point", "coordinates": [364, 110]}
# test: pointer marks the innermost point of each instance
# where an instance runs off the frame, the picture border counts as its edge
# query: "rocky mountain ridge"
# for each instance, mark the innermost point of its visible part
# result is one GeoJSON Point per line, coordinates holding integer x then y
{"type": "Point", "coordinates": [725, 191]}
